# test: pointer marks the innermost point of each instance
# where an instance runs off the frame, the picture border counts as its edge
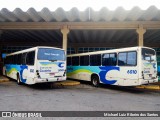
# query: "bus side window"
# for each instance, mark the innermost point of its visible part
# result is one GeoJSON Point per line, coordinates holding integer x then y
{"type": "Point", "coordinates": [127, 58]}
{"type": "Point", "coordinates": [95, 60]}
{"type": "Point", "coordinates": [75, 61]}
{"type": "Point", "coordinates": [30, 57]}
{"type": "Point", "coordinates": [19, 59]}
{"type": "Point", "coordinates": [113, 59]}
{"type": "Point", "coordinates": [23, 58]}
{"type": "Point", "coordinates": [109, 59]}
{"type": "Point", "coordinates": [105, 59]}
{"type": "Point", "coordinates": [69, 61]}
{"type": "Point", "coordinates": [122, 59]}
{"type": "Point", "coordinates": [14, 58]}
{"type": "Point", "coordinates": [84, 60]}
{"type": "Point", "coordinates": [5, 60]}
{"type": "Point", "coordinates": [10, 60]}
{"type": "Point", "coordinates": [132, 58]}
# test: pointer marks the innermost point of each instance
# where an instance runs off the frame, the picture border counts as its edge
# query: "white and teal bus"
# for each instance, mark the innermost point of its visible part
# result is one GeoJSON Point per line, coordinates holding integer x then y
{"type": "Point", "coordinates": [123, 67]}
{"type": "Point", "coordinates": [36, 65]}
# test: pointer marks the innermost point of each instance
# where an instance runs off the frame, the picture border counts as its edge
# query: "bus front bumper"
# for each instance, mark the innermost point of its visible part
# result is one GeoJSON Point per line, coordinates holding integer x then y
{"type": "Point", "coordinates": [43, 80]}
{"type": "Point", "coordinates": [149, 81]}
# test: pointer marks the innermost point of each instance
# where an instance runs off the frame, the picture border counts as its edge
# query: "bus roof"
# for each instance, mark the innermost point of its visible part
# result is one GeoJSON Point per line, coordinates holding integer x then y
{"type": "Point", "coordinates": [108, 51]}
{"type": "Point", "coordinates": [31, 49]}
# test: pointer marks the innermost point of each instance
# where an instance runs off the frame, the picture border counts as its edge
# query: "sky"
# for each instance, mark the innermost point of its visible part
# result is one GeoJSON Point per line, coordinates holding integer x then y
{"type": "Point", "coordinates": [80, 4]}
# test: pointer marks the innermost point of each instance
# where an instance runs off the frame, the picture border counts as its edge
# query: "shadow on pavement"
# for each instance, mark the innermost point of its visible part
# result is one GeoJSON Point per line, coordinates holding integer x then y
{"type": "Point", "coordinates": [87, 85]}
{"type": "Point", "coordinates": [128, 89]}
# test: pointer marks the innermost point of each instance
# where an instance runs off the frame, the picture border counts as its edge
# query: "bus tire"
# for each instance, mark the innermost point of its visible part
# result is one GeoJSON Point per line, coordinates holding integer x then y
{"type": "Point", "coordinates": [95, 80]}
{"type": "Point", "coordinates": [18, 80]}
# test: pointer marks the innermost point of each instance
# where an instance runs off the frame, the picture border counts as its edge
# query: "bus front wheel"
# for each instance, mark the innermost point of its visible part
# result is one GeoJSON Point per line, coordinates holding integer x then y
{"type": "Point", "coordinates": [95, 80]}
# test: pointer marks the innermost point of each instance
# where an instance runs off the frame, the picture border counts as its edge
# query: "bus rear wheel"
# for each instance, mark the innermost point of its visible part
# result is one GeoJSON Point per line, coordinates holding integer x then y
{"type": "Point", "coordinates": [18, 80]}
{"type": "Point", "coordinates": [95, 80]}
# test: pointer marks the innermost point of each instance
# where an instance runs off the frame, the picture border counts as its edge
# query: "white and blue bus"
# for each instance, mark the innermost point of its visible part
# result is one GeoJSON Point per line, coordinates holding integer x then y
{"type": "Point", "coordinates": [36, 65]}
{"type": "Point", "coordinates": [123, 67]}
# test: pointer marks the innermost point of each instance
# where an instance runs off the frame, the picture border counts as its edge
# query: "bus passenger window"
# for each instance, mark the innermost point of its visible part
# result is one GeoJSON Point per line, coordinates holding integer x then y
{"type": "Point", "coordinates": [95, 60]}
{"type": "Point", "coordinates": [109, 59]}
{"type": "Point", "coordinates": [6, 60]}
{"type": "Point", "coordinates": [19, 59]}
{"type": "Point", "coordinates": [30, 58]}
{"type": "Point", "coordinates": [122, 59]}
{"type": "Point", "coordinates": [69, 61]}
{"type": "Point", "coordinates": [10, 60]}
{"type": "Point", "coordinates": [132, 58]}
{"type": "Point", "coordinates": [23, 58]}
{"type": "Point", "coordinates": [15, 59]}
{"type": "Point", "coordinates": [84, 60]}
{"type": "Point", "coordinates": [105, 59]}
{"type": "Point", "coordinates": [75, 61]}
{"type": "Point", "coordinates": [127, 59]}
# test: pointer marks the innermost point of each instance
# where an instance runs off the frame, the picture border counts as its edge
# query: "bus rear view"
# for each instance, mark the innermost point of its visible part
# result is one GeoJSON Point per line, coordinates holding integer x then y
{"type": "Point", "coordinates": [36, 65]}
{"type": "Point", "coordinates": [50, 65]}
{"type": "Point", "coordinates": [149, 66]}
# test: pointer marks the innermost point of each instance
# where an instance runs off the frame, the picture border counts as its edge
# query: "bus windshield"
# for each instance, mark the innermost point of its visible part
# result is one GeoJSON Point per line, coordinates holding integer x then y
{"type": "Point", "coordinates": [50, 54]}
{"type": "Point", "coordinates": [148, 54]}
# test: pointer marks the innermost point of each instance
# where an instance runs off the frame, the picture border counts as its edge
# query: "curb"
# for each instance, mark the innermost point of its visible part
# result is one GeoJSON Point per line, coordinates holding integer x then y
{"type": "Point", "coordinates": [141, 86]}
{"type": "Point", "coordinates": [67, 83]}
{"type": "Point", "coordinates": [153, 87]}
{"type": "Point", "coordinates": [3, 80]}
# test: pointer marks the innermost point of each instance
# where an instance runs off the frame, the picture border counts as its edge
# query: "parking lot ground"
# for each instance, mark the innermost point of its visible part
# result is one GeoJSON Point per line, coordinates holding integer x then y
{"type": "Point", "coordinates": [154, 86]}
{"type": "Point", "coordinates": [61, 83]}
{"type": "Point", "coordinates": [82, 97]}
{"type": "Point", "coordinates": [66, 83]}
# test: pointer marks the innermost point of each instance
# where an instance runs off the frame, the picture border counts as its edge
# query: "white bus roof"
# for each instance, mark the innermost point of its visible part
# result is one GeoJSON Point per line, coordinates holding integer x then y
{"type": "Point", "coordinates": [31, 49]}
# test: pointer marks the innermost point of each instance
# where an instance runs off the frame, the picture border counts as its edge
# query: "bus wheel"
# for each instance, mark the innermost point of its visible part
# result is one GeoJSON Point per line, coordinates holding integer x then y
{"type": "Point", "coordinates": [95, 81]}
{"type": "Point", "coordinates": [18, 80]}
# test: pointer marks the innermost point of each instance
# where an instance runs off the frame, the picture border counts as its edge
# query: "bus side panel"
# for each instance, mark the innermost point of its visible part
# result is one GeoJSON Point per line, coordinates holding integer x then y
{"type": "Point", "coordinates": [24, 72]}
{"type": "Point", "coordinates": [128, 76]}
{"type": "Point", "coordinates": [12, 70]}
{"type": "Point", "coordinates": [29, 74]}
{"type": "Point", "coordinates": [82, 72]}
{"type": "Point", "coordinates": [113, 75]}
{"type": "Point", "coordinates": [107, 74]}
